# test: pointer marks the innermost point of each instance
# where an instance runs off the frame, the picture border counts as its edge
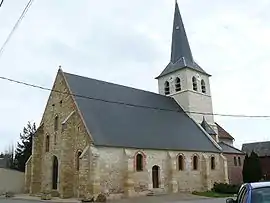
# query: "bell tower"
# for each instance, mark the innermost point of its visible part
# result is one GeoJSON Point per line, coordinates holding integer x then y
{"type": "Point", "coordinates": [185, 81]}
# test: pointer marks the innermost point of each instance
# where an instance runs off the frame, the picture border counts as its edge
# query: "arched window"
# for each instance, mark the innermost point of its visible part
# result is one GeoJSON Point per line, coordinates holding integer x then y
{"type": "Point", "coordinates": [180, 162]}
{"type": "Point", "coordinates": [195, 162]}
{"type": "Point", "coordinates": [194, 83]}
{"type": "Point", "coordinates": [139, 162]}
{"type": "Point", "coordinates": [235, 161]}
{"type": "Point", "coordinates": [56, 123]}
{"type": "Point", "coordinates": [78, 160]}
{"type": "Point", "coordinates": [177, 84]}
{"type": "Point", "coordinates": [213, 163]}
{"type": "Point", "coordinates": [47, 143]}
{"type": "Point", "coordinates": [239, 161]}
{"type": "Point", "coordinates": [203, 86]}
{"type": "Point", "coordinates": [167, 88]}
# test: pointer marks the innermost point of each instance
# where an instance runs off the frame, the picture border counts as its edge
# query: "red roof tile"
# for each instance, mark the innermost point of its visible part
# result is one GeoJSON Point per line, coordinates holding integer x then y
{"type": "Point", "coordinates": [222, 133]}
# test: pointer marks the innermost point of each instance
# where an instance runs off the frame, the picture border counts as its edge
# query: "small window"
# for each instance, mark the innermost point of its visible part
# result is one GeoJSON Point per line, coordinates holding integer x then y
{"type": "Point", "coordinates": [78, 160]}
{"type": "Point", "coordinates": [194, 83]}
{"type": "Point", "coordinates": [139, 162]}
{"type": "Point", "coordinates": [235, 161]}
{"type": "Point", "coordinates": [239, 161]}
{"type": "Point", "coordinates": [56, 123]}
{"type": "Point", "coordinates": [47, 143]}
{"type": "Point", "coordinates": [195, 162]}
{"type": "Point", "coordinates": [177, 84]}
{"type": "Point", "coordinates": [167, 88]}
{"type": "Point", "coordinates": [203, 86]}
{"type": "Point", "coordinates": [213, 163]}
{"type": "Point", "coordinates": [180, 163]}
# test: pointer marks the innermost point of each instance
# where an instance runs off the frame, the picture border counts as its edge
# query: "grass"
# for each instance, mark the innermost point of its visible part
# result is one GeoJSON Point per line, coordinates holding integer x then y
{"type": "Point", "coordinates": [212, 194]}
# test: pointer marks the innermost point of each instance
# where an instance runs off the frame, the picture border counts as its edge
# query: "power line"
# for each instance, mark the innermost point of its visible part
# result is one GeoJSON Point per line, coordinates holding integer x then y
{"type": "Point", "coordinates": [129, 104]}
{"type": "Point", "coordinates": [1, 2]}
{"type": "Point", "coordinates": [16, 25]}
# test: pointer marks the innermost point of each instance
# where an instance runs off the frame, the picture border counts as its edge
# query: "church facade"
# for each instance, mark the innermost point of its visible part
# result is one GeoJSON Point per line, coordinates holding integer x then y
{"type": "Point", "coordinates": [98, 137]}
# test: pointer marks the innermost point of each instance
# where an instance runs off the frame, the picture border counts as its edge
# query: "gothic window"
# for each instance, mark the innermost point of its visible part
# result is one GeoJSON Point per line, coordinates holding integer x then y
{"type": "Point", "coordinates": [167, 88]}
{"type": "Point", "coordinates": [203, 86]}
{"type": "Point", "coordinates": [239, 161]}
{"type": "Point", "coordinates": [56, 123]}
{"type": "Point", "coordinates": [195, 162]}
{"type": "Point", "coordinates": [47, 143]}
{"type": "Point", "coordinates": [194, 83]}
{"type": "Point", "coordinates": [78, 160]}
{"type": "Point", "coordinates": [180, 162]}
{"type": "Point", "coordinates": [177, 84]}
{"type": "Point", "coordinates": [235, 161]}
{"type": "Point", "coordinates": [139, 162]}
{"type": "Point", "coordinates": [213, 163]}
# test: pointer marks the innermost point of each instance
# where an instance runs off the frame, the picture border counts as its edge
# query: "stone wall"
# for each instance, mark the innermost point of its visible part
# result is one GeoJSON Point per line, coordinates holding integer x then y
{"type": "Point", "coordinates": [65, 141]}
{"type": "Point", "coordinates": [27, 178]}
{"type": "Point", "coordinates": [11, 181]}
{"type": "Point", "coordinates": [113, 167]}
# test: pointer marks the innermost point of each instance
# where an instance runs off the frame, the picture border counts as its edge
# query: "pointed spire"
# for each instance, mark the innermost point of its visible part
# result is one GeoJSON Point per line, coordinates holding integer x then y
{"type": "Point", "coordinates": [181, 56]}
{"type": "Point", "coordinates": [180, 46]}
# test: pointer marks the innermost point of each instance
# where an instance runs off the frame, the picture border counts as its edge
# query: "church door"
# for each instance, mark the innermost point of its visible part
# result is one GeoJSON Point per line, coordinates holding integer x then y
{"type": "Point", "coordinates": [55, 173]}
{"type": "Point", "coordinates": [155, 176]}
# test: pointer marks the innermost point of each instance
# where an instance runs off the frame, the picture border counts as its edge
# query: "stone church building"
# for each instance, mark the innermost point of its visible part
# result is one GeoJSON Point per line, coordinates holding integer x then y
{"type": "Point", "coordinates": [98, 137]}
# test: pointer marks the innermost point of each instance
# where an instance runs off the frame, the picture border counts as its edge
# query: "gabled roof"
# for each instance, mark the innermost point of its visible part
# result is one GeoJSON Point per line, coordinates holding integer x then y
{"type": "Point", "coordinates": [127, 125]}
{"type": "Point", "coordinates": [207, 127]}
{"type": "Point", "coordinates": [229, 149]}
{"type": "Point", "coordinates": [222, 133]}
{"type": "Point", "coordinates": [181, 56]}
{"type": "Point", "coordinates": [260, 148]}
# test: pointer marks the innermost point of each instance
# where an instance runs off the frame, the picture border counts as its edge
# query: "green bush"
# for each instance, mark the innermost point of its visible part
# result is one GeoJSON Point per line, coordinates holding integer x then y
{"type": "Point", "coordinates": [225, 188]}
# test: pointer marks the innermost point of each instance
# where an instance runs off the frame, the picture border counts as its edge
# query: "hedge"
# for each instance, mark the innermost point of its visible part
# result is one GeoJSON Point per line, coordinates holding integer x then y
{"type": "Point", "coordinates": [225, 188]}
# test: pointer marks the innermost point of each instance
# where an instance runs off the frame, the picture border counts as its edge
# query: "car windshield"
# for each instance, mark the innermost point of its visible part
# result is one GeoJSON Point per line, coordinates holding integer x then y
{"type": "Point", "coordinates": [260, 195]}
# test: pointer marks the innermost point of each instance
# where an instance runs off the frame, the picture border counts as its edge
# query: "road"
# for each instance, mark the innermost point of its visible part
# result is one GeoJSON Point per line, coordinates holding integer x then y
{"type": "Point", "coordinates": [219, 200]}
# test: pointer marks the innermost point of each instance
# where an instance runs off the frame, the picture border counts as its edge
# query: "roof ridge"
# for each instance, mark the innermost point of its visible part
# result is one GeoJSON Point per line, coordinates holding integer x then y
{"type": "Point", "coordinates": [256, 142]}
{"type": "Point", "coordinates": [119, 85]}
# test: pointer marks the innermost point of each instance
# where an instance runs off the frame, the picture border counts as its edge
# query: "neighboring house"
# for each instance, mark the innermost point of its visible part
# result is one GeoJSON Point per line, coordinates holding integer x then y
{"type": "Point", "coordinates": [263, 151]}
{"type": "Point", "coordinates": [103, 137]}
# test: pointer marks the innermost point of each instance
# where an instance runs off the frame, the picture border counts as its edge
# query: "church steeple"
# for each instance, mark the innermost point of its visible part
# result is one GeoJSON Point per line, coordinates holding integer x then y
{"type": "Point", "coordinates": [181, 56]}
{"type": "Point", "coordinates": [180, 46]}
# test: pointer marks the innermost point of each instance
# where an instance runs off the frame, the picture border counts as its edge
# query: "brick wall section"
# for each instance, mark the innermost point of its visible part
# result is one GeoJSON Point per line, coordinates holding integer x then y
{"type": "Point", "coordinates": [235, 171]}
{"type": "Point", "coordinates": [265, 164]}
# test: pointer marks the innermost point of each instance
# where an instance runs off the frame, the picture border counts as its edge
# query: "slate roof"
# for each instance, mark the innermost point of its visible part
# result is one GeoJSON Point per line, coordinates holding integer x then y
{"type": "Point", "coordinates": [229, 149]}
{"type": "Point", "coordinates": [260, 148]}
{"type": "Point", "coordinates": [120, 125]}
{"type": "Point", "coordinates": [207, 127]}
{"type": "Point", "coordinates": [181, 56]}
{"type": "Point", "coordinates": [222, 133]}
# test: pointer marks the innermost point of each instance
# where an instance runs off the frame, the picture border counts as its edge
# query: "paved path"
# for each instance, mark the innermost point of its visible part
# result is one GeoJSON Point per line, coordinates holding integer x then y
{"type": "Point", "coordinates": [138, 200]}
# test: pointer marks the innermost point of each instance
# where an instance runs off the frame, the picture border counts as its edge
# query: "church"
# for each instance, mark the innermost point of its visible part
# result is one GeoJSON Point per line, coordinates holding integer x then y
{"type": "Point", "coordinates": [98, 137]}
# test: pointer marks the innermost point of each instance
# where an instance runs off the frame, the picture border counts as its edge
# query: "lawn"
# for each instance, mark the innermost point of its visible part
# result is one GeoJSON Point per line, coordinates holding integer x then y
{"type": "Point", "coordinates": [212, 194]}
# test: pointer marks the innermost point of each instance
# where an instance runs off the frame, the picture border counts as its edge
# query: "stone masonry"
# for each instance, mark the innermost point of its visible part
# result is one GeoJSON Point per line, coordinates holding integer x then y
{"type": "Point", "coordinates": [84, 169]}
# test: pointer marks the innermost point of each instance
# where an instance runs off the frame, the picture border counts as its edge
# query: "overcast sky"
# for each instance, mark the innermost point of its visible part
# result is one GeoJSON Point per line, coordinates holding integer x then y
{"type": "Point", "coordinates": [128, 42]}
